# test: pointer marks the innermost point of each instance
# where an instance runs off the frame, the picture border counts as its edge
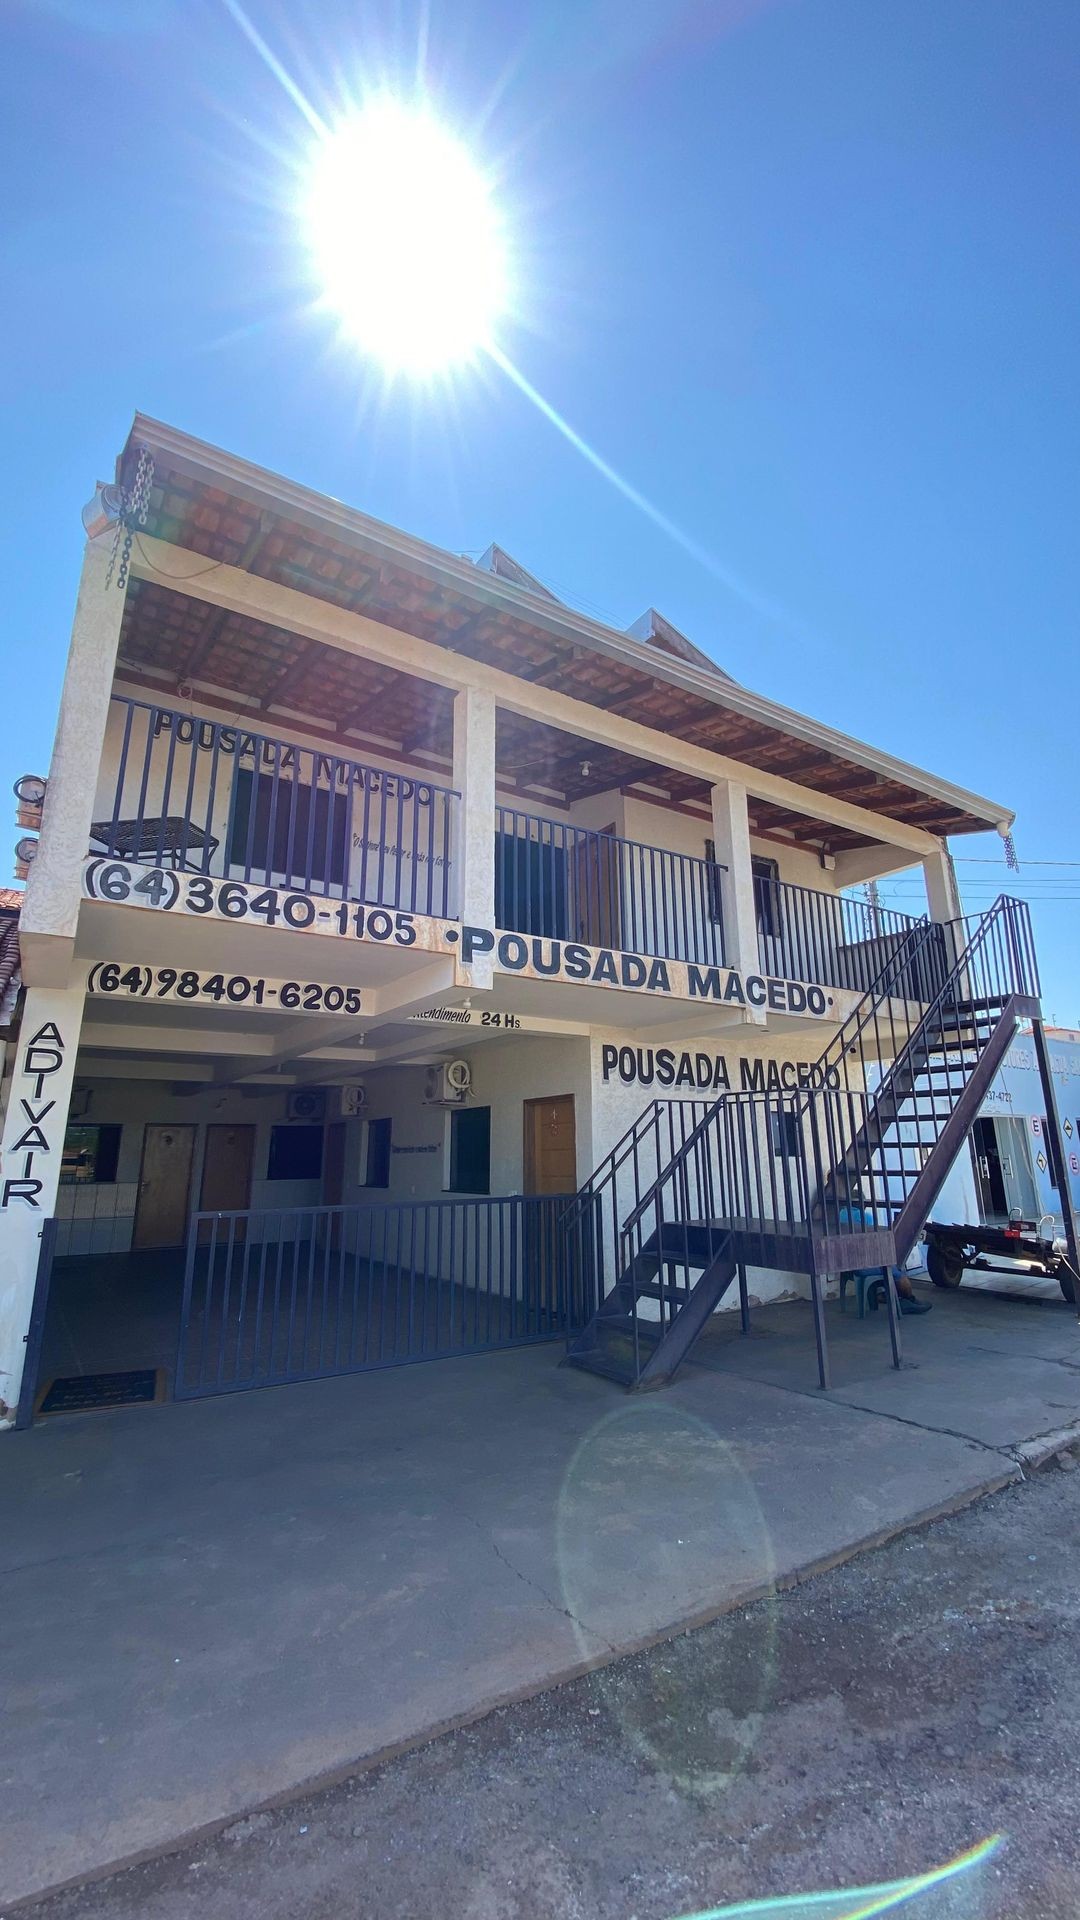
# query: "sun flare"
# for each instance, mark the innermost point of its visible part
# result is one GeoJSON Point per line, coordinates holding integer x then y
{"type": "Point", "coordinates": [405, 239]}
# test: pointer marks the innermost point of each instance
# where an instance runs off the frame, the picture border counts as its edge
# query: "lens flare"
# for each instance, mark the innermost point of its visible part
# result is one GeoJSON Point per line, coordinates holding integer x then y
{"type": "Point", "coordinates": [405, 238]}
{"type": "Point", "coordinates": [857, 1903]}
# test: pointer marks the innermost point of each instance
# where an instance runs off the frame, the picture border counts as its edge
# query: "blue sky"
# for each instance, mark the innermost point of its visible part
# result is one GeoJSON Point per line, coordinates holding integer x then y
{"type": "Point", "coordinates": [806, 272]}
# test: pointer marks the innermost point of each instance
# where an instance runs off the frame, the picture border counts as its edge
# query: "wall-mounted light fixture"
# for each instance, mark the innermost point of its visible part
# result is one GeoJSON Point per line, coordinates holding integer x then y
{"type": "Point", "coordinates": [30, 790]}
{"type": "Point", "coordinates": [104, 510]}
{"type": "Point", "coordinates": [25, 854]}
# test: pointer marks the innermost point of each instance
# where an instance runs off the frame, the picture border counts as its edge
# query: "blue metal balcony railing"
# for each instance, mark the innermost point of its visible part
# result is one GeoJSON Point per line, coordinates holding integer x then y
{"type": "Point", "coordinates": [221, 799]}
{"type": "Point", "coordinates": [826, 938]}
{"type": "Point", "coordinates": [570, 883]}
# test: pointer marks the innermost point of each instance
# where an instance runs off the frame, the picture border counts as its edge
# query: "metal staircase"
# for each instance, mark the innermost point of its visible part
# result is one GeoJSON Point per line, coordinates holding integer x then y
{"type": "Point", "coordinates": [841, 1174]}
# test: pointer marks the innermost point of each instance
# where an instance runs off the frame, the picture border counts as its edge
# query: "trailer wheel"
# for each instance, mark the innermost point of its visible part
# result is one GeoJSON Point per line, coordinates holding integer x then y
{"type": "Point", "coordinates": [1067, 1284]}
{"type": "Point", "coordinates": [944, 1264]}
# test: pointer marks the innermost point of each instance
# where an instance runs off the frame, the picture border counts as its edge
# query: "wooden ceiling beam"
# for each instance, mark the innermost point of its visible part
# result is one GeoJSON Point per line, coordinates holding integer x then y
{"type": "Point", "coordinates": [741, 742]}
{"type": "Point", "coordinates": [804, 764]}
{"type": "Point", "coordinates": [200, 653]}
{"type": "Point", "coordinates": [291, 676]}
{"type": "Point", "coordinates": [212, 631]}
{"type": "Point", "coordinates": [255, 541]}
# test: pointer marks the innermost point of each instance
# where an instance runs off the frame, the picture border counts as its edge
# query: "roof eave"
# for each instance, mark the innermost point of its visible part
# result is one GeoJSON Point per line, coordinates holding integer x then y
{"type": "Point", "coordinates": [270, 490]}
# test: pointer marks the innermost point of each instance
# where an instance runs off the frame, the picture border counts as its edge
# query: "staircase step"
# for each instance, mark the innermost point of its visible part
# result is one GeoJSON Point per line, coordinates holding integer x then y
{"type": "Point", "coordinates": [593, 1360]}
{"type": "Point", "coordinates": [676, 1296]}
{"type": "Point", "coordinates": [612, 1353]}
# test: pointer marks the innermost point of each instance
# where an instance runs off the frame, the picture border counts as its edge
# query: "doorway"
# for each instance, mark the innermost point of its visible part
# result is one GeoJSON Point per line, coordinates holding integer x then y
{"type": "Point", "coordinates": [531, 884]}
{"type": "Point", "coordinates": [1004, 1170]}
{"type": "Point", "coordinates": [549, 1166]}
{"type": "Point", "coordinates": [161, 1208]}
{"type": "Point", "coordinates": [599, 908]}
{"type": "Point", "coordinates": [550, 1145]}
{"type": "Point", "coordinates": [226, 1175]}
{"type": "Point", "coordinates": [988, 1170]}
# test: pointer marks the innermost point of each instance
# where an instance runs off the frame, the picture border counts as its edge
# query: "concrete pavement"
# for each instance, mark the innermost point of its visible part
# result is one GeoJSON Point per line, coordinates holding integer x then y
{"type": "Point", "coordinates": [208, 1605]}
{"type": "Point", "coordinates": [869, 1726]}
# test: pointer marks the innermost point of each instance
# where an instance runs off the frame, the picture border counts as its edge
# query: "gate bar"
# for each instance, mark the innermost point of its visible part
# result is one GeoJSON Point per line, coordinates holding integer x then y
{"type": "Point", "coordinates": [36, 1331]}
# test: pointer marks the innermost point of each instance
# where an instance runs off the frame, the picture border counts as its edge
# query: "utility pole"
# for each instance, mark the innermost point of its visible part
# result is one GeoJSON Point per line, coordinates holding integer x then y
{"type": "Point", "coordinates": [874, 900]}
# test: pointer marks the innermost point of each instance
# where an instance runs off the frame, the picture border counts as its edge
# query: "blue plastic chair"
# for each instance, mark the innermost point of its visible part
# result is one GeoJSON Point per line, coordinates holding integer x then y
{"type": "Point", "coordinates": [866, 1280]}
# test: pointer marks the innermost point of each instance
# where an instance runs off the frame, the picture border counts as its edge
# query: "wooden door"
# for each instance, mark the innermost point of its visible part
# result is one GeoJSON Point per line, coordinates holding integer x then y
{"type": "Point", "coordinates": [226, 1175]}
{"type": "Point", "coordinates": [550, 1147]}
{"type": "Point", "coordinates": [164, 1185]}
{"type": "Point", "coordinates": [596, 879]}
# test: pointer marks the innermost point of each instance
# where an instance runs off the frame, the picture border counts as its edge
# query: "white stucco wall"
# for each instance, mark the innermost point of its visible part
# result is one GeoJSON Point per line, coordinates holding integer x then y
{"type": "Point", "coordinates": [505, 1074]}
{"type": "Point", "coordinates": [135, 1104]}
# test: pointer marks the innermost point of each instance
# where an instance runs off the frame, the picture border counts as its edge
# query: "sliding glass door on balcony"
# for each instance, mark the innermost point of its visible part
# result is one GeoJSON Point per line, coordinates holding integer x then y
{"type": "Point", "coordinates": [571, 883]}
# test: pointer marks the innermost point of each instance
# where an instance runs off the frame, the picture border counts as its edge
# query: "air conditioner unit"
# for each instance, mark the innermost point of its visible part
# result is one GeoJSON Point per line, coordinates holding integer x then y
{"type": "Point", "coordinates": [306, 1103]}
{"type": "Point", "coordinates": [447, 1086]}
{"type": "Point", "coordinates": [353, 1100]}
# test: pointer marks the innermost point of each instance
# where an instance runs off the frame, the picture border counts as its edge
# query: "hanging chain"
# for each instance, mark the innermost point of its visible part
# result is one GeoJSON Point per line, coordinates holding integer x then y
{"type": "Point", "coordinates": [1011, 860]}
{"type": "Point", "coordinates": [133, 513]}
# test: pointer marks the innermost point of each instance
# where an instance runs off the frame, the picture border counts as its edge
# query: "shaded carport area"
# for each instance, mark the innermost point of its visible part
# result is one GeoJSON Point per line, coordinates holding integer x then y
{"type": "Point", "coordinates": [111, 1312]}
{"type": "Point", "coordinates": [263, 1294]}
{"type": "Point", "coordinates": [271, 1297]}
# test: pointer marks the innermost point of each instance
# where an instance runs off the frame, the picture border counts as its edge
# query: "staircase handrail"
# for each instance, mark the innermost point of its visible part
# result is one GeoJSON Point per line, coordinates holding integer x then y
{"type": "Point", "coordinates": [611, 1161]}
{"type": "Point", "coordinates": [917, 938]}
{"type": "Point", "coordinates": [1001, 907]}
{"type": "Point", "coordinates": [902, 958]}
{"type": "Point", "coordinates": [911, 944]}
{"type": "Point", "coordinates": [619, 1154]}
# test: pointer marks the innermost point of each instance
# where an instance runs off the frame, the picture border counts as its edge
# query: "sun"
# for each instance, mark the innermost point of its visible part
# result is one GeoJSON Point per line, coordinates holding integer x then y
{"type": "Point", "coordinates": [405, 237]}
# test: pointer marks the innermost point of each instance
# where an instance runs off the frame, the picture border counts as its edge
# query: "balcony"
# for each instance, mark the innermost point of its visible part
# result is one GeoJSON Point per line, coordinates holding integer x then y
{"type": "Point", "coordinates": [829, 939]}
{"type": "Point", "coordinates": [213, 797]}
{"type": "Point", "coordinates": [202, 796]}
{"type": "Point", "coordinates": [570, 883]}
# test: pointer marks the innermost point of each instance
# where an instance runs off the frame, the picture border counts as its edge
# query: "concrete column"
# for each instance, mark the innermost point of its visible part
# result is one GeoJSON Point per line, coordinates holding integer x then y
{"type": "Point", "coordinates": [942, 892]}
{"type": "Point", "coordinates": [731, 836]}
{"type": "Point", "coordinates": [943, 899]}
{"type": "Point", "coordinates": [51, 908]}
{"type": "Point", "coordinates": [30, 1157]}
{"type": "Point", "coordinates": [474, 840]}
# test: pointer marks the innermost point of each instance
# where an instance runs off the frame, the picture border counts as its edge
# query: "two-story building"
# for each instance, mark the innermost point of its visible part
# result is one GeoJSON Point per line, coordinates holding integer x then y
{"type": "Point", "coordinates": [378, 895]}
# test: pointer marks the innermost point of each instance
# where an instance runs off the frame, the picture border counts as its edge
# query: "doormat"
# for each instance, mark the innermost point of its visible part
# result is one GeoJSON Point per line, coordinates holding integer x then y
{"type": "Point", "coordinates": [83, 1392]}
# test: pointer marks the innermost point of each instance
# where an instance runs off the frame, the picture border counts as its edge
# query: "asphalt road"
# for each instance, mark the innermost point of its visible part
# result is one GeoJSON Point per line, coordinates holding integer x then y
{"type": "Point", "coordinates": [870, 1725]}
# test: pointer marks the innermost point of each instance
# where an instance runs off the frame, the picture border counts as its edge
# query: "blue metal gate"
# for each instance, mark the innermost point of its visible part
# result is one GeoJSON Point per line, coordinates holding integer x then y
{"type": "Point", "coordinates": [302, 1293]}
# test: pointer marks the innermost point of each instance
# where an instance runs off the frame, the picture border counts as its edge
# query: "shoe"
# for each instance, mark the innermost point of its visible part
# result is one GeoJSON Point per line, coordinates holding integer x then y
{"type": "Point", "coordinates": [909, 1305]}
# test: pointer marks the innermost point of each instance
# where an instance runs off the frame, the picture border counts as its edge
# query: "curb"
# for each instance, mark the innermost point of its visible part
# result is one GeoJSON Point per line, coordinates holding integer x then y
{"type": "Point", "coordinates": [1013, 1473]}
{"type": "Point", "coordinates": [1038, 1453]}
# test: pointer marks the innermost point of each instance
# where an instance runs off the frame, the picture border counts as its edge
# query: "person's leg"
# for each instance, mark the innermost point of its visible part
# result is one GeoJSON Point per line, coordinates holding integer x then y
{"type": "Point", "coordinates": [908, 1298]}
